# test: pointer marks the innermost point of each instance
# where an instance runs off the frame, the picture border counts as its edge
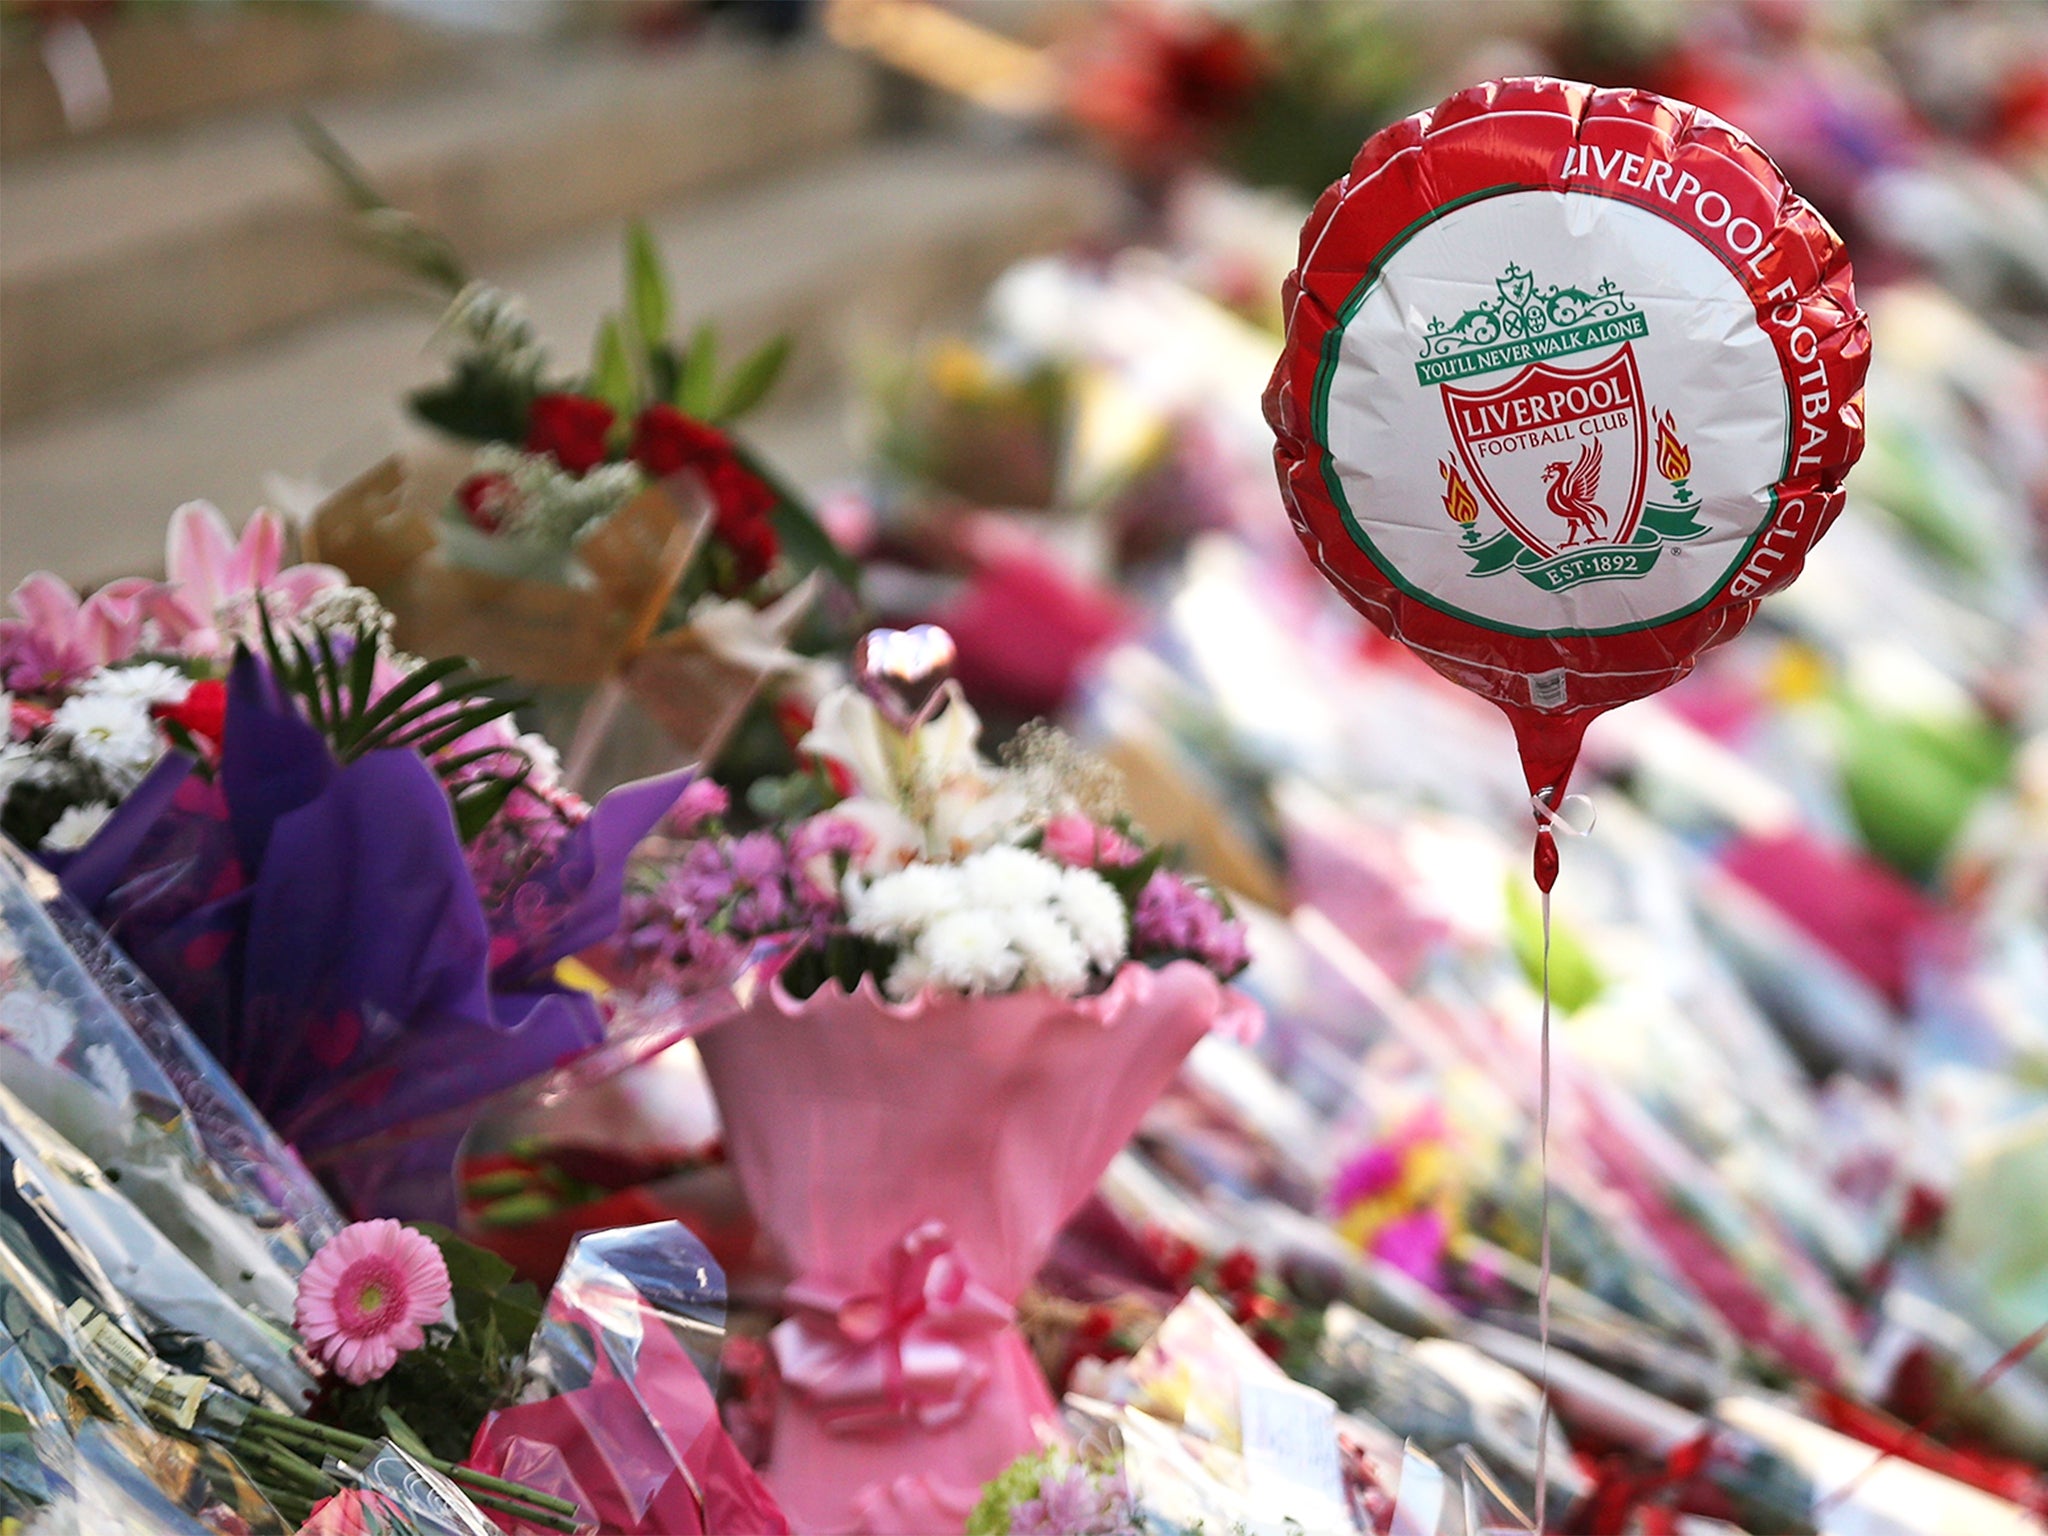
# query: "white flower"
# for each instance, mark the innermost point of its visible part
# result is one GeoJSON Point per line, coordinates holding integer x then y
{"type": "Point", "coordinates": [922, 794]}
{"type": "Point", "coordinates": [115, 735]}
{"type": "Point", "coordinates": [33, 1021]}
{"type": "Point", "coordinates": [145, 683]}
{"type": "Point", "coordinates": [1091, 905]}
{"type": "Point", "coordinates": [15, 759]}
{"type": "Point", "coordinates": [1053, 957]}
{"type": "Point", "coordinates": [970, 951]}
{"type": "Point", "coordinates": [546, 761]}
{"type": "Point", "coordinates": [899, 905]}
{"type": "Point", "coordinates": [910, 975]}
{"type": "Point", "coordinates": [1008, 877]}
{"type": "Point", "coordinates": [74, 829]}
{"type": "Point", "coordinates": [104, 1065]}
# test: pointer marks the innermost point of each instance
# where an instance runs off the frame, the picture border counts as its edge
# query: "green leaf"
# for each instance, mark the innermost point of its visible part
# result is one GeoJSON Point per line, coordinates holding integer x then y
{"type": "Point", "coordinates": [415, 682]}
{"type": "Point", "coordinates": [664, 371]}
{"type": "Point", "coordinates": [454, 727]}
{"type": "Point", "coordinates": [475, 804]}
{"type": "Point", "coordinates": [751, 381]}
{"type": "Point", "coordinates": [646, 290]}
{"type": "Point", "coordinates": [612, 373]}
{"type": "Point", "coordinates": [480, 403]}
{"type": "Point", "coordinates": [395, 235]}
{"type": "Point", "coordinates": [426, 716]}
{"type": "Point", "coordinates": [362, 675]}
{"type": "Point", "coordinates": [805, 543]}
{"type": "Point", "coordinates": [698, 380]}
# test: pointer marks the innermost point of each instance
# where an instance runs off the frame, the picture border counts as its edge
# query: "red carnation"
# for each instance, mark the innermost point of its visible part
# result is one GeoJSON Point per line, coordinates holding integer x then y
{"type": "Point", "coordinates": [203, 712]}
{"type": "Point", "coordinates": [574, 428]}
{"type": "Point", "coordinates": [665, 440]}
{"type": "Point", "coordinates": [486, 500]}
{"type": "Point", "coordinates": [1238, 1271]}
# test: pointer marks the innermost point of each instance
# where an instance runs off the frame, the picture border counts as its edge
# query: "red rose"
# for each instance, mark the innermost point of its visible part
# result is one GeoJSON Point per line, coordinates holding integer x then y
{"type": "Point", "coordinates": [487, 500]}
{"type": "Point", "coordinates": [203, 713]}
{"type": "Point", "coordinates": [743, 501]}
{"type": "Point", "coordinates": [665, 440]}
{"type": "Point", "coordinates": [1237, 1271]}
{"type": "Point", "coordinates": [573, 428]}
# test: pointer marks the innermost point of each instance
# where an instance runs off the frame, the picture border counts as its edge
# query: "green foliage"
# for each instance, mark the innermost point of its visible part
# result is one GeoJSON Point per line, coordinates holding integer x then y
{"type": "Point", "coordinates": [748, 385]}
{"type": "Point", "coordinates": [614, 378]}
{"type": "Point", "coordinates": [427, 711]}
{"type": "Point", "coordinates": [1016, 1483]}
{"type": "Point", "coordinates": [698, 378]}
{"type": "Point", "coordinates": [791, 797]}
{"type": "Point", "coordinates": [646, 290]}
{"type": "Point", "coordinates": [393, 234]}
{"type": "Point", "coordinates": [844, 958]}
{"type": "Point", "coordinates": [479, 401]}
{"type": "Point", "coordinates": [435, 1396]}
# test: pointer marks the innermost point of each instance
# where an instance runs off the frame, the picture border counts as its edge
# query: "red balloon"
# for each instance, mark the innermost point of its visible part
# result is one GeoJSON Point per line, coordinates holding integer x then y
{"type": "Point", "coordinates": [1571, 381]}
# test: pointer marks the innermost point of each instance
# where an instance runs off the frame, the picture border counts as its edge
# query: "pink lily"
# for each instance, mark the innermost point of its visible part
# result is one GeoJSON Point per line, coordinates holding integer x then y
{"type": "Point", "coordinates": [68, 636]}
{"type": "Point", "coordinates": [214, 578]}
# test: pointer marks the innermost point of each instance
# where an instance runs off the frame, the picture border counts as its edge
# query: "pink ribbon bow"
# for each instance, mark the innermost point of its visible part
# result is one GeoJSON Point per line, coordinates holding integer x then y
{"type": "Point", "coordinates": [874, 1360]}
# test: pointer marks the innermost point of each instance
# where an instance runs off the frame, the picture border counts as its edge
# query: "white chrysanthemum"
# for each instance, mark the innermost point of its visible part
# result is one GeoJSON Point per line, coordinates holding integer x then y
{"type": "Point", "coordinates": [910, 975]}
{"type": "Point", "coordinates": [1093, 909]}
{"type": "Point", "coordinates": [74, 829]}
{"type": "Point", "coordinates": [898, 905]}
{"type": "Point", "coordinates": [970, 951]}
{"type": "Point", "coordinates": [1053, 957]}
{"type": "Point", "coordinates": [1010, 878]}
{"type": "Point", "coordinates": [145, 683]}
{"type": "Point", "coordinates": [114, 735]}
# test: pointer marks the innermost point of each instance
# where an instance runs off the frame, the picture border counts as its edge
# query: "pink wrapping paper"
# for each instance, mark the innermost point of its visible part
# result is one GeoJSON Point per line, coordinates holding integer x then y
{"type": "Point", "coordinates": [644, 1456]}
{"type": "Point", "coordinates": [912, 1164]}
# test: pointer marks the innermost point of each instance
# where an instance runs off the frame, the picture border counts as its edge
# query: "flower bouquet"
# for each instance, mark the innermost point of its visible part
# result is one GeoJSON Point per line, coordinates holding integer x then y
{"type": "Point", "coordinates": [596, 531]}
{"type": "Point", "coordinates": [982, 978]}
{"type": "Point", "coordinates": [191, 1342]}
{"type": "Point", "coordinates": [343, 866]}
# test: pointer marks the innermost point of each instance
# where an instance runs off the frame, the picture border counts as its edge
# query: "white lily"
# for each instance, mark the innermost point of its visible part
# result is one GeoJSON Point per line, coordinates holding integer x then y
{"type": "Point", "coordinates": [925, 793]}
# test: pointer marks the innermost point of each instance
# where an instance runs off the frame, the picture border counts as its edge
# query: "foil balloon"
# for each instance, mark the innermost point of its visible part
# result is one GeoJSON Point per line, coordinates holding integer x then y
{"type": "Point", "coordinates": [1571, 381]}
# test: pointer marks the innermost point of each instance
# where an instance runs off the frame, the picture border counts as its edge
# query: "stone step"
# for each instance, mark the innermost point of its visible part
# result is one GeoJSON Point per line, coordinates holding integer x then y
{"type": "Point", "coordinates": [131, 254]}
{"type": "Point", "coordinates": [165, 64]}
{"type": "Point", "coordinates": [890, 236]}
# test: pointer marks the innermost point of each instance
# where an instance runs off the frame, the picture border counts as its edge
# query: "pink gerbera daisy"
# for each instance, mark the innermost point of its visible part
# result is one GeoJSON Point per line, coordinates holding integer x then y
{"type": "Point", "coordinates": [368, 1295]}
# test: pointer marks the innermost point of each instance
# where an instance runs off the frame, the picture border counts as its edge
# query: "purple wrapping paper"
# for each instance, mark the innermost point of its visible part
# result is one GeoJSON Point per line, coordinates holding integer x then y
{"type": "Point", "coordinates": [317, 926]}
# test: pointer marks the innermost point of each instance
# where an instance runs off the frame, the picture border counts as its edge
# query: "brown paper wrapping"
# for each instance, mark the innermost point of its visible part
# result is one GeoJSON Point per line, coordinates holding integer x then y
{"type": "Point", "coordinates": [381, 529]}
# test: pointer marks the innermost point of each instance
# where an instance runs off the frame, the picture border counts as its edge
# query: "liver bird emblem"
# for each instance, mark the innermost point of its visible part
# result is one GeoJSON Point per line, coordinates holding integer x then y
{"type": "Point", "coordinates": [1571, 489]}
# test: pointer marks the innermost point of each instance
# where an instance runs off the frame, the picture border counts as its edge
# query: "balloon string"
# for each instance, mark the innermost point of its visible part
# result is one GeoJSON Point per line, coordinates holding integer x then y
{"type": "Point", "coordinates": [1543, 1267]}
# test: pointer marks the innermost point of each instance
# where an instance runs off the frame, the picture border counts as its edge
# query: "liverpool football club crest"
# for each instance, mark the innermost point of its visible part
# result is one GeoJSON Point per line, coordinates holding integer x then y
{"type": "Point", "coordinates": [1559, 449]}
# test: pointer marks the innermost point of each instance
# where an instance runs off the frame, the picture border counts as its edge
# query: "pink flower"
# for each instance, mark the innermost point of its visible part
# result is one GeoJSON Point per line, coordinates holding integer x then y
{"type": "Point", "coordinates": [1173, 917]}
{"type": "Point", "coordinates": [1080, 842]}
{"type": "Point", "coordinates": [368, 1295]}
{"type": "Point", "coordinates": [215, 578]}
{"type": "Point", "coordinates": [57, 637]}
{"type": "Point", "coordinates": [355, 1512]}
{"type": "Point", "coordinates": [703, 799]}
